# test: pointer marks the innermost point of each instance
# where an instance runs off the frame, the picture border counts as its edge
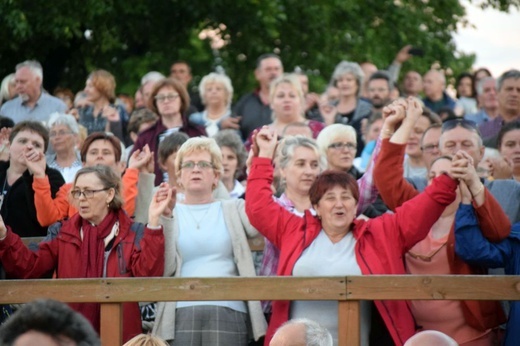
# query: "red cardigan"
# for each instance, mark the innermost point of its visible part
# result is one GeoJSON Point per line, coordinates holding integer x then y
{"type": "Point", "coordinates": [494, 223]}
{"type": "Point", "coordinates": [63, 254]}
{"type": "Point", "coordinates": [380, 242]}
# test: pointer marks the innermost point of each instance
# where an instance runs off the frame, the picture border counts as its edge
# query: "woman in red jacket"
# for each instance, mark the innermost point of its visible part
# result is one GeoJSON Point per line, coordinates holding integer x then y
{"type": "Point", "coordinates": [99, 241]}
{"type": "Point", "coordinates": [335, 243]}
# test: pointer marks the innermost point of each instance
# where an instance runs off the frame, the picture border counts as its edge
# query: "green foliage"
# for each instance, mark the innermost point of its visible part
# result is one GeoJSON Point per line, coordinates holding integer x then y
{"type": "Point", "coordinates": [131, 37]}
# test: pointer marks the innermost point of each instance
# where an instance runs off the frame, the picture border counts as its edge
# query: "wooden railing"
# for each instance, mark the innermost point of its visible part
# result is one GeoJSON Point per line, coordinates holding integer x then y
{"type": "Point", "coordinates": [348, 291]}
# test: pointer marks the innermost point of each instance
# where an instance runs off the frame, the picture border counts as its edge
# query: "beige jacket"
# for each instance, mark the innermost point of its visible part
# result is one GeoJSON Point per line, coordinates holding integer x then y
{"type": "Point", "coordinates": [239, 230]}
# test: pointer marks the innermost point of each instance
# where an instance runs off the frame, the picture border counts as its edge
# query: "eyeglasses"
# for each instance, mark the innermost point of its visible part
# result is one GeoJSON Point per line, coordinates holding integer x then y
{"type": "Point", "coordinates": [430, 148]}
{"type": "Point", "coordinates": [467, 124]}
{"type": "Point", "coordinates": [59, 133]}
{"type": "Point", "coordinates": [343, 145]}
{"type": "Point", "coordinates": [167, 97]}
{"type": "Point", "coordinates": [76, 194]}
{"type": "Point", "coordinates": [189, 165]}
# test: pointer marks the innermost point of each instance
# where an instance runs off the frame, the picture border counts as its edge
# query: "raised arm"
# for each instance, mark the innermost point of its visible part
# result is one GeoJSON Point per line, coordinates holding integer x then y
{"type": "Point", "coordinates": [388, 171]}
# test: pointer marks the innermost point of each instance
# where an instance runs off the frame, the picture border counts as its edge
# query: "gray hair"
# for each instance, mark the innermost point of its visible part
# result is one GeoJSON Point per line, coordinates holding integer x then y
{"type": "Point", "coordinates": [230, 138]}
{"type": "Point", "coordinates": [4, 89]}
{"type": "Point", "coordinates": [480, 84]}
{"type": "Point", "coordinates": [331, 132]}
{"type": "Point", "coordinates": [64, 119]}
{"type": "Point", "coordinates": [288, 145]}
{"type": "Point", "coordinates": [511, 74]}
{"type": "Point", "coordinates": [346, 67]}
{"type": "Point", "coordinates": [32, 65]}
{"type": "Point", "coordinates": [216, 78]}
{"type": "Point", "coordinates": [315, 334]}
{"type": "Point", "coordinates": [152, 76]}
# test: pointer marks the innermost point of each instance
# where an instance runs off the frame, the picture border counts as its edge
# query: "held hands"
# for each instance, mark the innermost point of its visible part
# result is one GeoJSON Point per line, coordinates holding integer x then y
{"type": "Point", "coordinates": [414, 110]}
{"type": "Point", "coordinates": [465, 194]}
{"type": "Point", "coordinates": [35, 162]}
{"type": "Point", "coordinates": [393, 115]}
{"type": "Point", "coordinates": [463, 169]}
{"type": "Point", "coordinates": [162, 203]}
{"type": "Point", "coordinates": [3, 229]}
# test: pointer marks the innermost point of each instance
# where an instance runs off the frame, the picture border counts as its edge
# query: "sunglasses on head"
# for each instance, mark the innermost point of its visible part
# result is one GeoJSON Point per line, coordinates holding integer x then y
{"type": "Point", "coordinates": [467, 124]}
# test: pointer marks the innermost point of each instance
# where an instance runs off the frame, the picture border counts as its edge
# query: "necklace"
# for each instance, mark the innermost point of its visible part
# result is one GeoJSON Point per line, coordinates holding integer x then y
{"type": "Point", "coordinates": [197, 222]}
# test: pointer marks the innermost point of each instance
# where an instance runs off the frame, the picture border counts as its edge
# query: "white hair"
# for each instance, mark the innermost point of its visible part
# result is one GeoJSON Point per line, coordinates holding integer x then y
{"type": "Point", "coordinates": [32, 65]}
{"type": "Point", "coordinates": [4, 89]}
{"type": "Point", "coordinates": [63, 119]}
{"type": "Point", "coordinates": [216, 78]}
{"type": "Point", "coordinates": [333, 131]}
{"type": "Point", "coordinates": [315, 333]}
{"type": "Point", "coordinates": [152, 76]}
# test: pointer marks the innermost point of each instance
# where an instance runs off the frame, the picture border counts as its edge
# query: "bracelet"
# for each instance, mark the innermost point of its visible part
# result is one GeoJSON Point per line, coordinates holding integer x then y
{"type": "Point", "coordinates": [387, 132]}
{"type": "Point", "coordinates": [479, 191]}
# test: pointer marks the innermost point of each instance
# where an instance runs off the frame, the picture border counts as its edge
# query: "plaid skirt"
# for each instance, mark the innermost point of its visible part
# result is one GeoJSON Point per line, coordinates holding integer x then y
{"type": "Point", "coordinates": [210, 325]}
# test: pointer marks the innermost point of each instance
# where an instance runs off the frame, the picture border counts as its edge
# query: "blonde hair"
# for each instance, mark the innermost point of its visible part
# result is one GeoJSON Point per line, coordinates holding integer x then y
{"type": "Point", "coordinates": [200, 144]}
{"type": "Point", "coordinates": [146, 340]}
{"type": "Point", "coordinates": [294, 81]}
{"type": "Point", "coordinates": [333, 131]}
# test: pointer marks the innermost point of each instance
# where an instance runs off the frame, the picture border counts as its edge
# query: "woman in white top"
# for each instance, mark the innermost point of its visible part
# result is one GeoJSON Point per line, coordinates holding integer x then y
{"type": "Point", "coordinates": [209, 239]}
{"type": "Point", "coordinates": [216, 93]}
{"type": "Point", "coordinates": [63, 136]}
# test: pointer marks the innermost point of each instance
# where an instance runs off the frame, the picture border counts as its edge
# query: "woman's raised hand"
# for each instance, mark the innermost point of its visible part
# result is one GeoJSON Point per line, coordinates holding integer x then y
{"type": "Point", "coordinates": [35, 162]}
{"type": "Point", "coordinates": [266, 140]}
{"type": "Point", "coordinates": [413, 109]}
{"type": "Point", "coordinates": [393, 115]}
{"type": "Point", "coordinates": [162, 203]}
{"type": "Point", "coordinates": [140, 158]}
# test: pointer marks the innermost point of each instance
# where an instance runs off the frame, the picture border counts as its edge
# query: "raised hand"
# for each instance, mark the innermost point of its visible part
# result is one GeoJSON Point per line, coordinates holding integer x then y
{"type": "Point", "coordinates": [111, 113]}
{"type": "Point", "coordinates": [35, 162]}
{"type": "Point", "coordinates": [266, 139]}
{"type": "Point", "coordinates": [140, 158]}
{"type": "Point", "coordinates": [462, 168]}
{"type": "Point", "coordinates": [4, 143]}
{"type": "Point", "coordinates": [162, 203]}
{"type": "Point", "coordinates": [500, 167]}
{"type": "Point", "coordinates": [413, 109]}
{"type": "Point", "coordinates": [393, 115]}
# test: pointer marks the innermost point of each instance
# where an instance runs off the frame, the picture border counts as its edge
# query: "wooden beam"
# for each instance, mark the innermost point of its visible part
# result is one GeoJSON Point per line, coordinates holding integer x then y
{"type": "Point", "coordinates": [111, 326]}
{"type": "Point", "coordinates": [421, 287]}
{"type": "Point", "coordinates": [349, 328]}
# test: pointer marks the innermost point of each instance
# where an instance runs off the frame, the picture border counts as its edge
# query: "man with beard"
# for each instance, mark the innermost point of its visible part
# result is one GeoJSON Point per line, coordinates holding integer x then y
{"type": "Point", "coordinates": [253, 110]}
{"type": "Point", "coordinates": [32, 102]}
{"type": "Point", "coordinates": [379, 87]}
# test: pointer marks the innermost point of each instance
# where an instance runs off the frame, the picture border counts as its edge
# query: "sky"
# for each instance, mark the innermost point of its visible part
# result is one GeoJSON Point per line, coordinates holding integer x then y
{"type": "Point", "coordinates": [495, 38]}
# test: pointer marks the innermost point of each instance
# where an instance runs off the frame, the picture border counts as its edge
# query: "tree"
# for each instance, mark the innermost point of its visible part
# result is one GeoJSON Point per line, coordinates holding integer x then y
{"type": "Point", "coordinates": [131, 37]}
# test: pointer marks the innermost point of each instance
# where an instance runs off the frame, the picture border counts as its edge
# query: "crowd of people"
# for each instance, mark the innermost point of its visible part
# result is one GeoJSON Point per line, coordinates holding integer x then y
{"type": "Point", "coordinates": [368, 177]}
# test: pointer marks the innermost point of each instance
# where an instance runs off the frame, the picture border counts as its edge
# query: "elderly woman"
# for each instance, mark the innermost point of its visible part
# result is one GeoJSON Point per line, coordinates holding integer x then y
{"type": "Point", "coordinates": [170, 100]}
{"type": "Point", "coordinates": [7, 88]}
{"type": "Point", "coordinates": [63, 136]}
{"type": "Point", "coordinates": [350, 109]}
{"type": "Point", "coordinates": [102, 114]}
{"type": "Point", "coordinates": [338, 144]}
{"type": "Point", "coordinates": [288, 105]}
{"type": "Point", "coordinates": [209, 239]}
{"type": "Point", "coordinates": [216, 93]}
{"type": "Point", "coordinates": [468, 322]}
{"type": "Point", "coordinates": [28, 141]}
{"type": "Point", "coordinates": [99, 241]}
{"type": "Point", "coordinates": [334, 243]}
{"type": "Point", "coordinates": [98, 149]}
{"type": "Point", "coordinates": [233, 161]}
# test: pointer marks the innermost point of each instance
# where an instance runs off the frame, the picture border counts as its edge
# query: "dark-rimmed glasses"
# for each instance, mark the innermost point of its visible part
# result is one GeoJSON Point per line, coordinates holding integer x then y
{"type": "Point", "coordinates": [76, 194]}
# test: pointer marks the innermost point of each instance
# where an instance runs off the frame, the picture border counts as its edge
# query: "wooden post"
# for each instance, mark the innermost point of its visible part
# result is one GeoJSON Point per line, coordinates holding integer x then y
{"type": "Point", "coordinates": [349, 323]}
{"type": "Point", "coordinates": [111, 326]}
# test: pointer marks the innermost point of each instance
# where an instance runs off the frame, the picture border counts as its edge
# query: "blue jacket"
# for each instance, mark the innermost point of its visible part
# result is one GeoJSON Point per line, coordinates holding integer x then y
{"type": "Point", "coordinates": [473, 248]}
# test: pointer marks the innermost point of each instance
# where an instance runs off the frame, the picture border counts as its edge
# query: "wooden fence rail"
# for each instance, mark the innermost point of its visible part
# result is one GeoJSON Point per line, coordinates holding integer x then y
{"type": "Point", "coordinates": [348, 291]}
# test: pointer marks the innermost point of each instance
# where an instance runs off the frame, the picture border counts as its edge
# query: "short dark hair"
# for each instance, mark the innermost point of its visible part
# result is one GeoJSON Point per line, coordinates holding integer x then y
{"type": "Point", "coordinates": [460, 77]}
{"type": "Point", "coordinates": [382, 75]}
{"type": "Point", "coordinates": [171, 144]}
{"type": "Point", "coordinates": [6, 122]}
{"type": "Point", "coordinates": [328, 180]}
{"type": "Point", "coordinates": [266, 56]}
{"type": "Point", "coordinates": [52, 318]}
{"type": "Point", "coordinates": [95, 136]}
{"type": "Point", "coordinates": [431, 115]}
{"type": "Point", "coordinates": [32, 126]}
{"type": "Point", "coordinates": [230, 138]}
{"type": "Point", "coordinates": [511, 126]}
{"type": "Point", "coordinates": [183, 62]}
{"type": "Point", "coordinates": [139, 117]}
{"type": "Point", "coordinates": [511, 74]}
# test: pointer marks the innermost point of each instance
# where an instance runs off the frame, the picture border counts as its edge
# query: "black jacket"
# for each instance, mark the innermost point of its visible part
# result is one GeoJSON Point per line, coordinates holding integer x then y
{"type": "Point", "coordinates": [18, 210]}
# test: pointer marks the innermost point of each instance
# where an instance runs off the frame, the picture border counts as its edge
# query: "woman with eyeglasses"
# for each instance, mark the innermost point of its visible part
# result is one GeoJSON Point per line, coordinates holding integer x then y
{"type": "Point", "coordinates": [169, 100]}
{"type": "Point", "coordinates": [63, 137]}
{"type": "Point", "coordinates": [100, 241]}
{"type": "Point", "coordinates": [334, 242]}
{"type": "Point", "coordinates": [468, 322]}
{"type": "Point", "coordinates": [288, 104]}
{"type": "Point", "coordinates": [209, 239]}
{"type": "Point", "coordinates": [28, 141]}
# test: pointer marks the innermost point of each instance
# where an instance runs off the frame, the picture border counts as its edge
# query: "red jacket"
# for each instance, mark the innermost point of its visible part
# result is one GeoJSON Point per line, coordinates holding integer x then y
{"type": "Point", "coordinates": [380, 242]}
{"type": "Point", "coordinates": [63, 253]}
{"type": "Point", "coordinates": [495, 225]}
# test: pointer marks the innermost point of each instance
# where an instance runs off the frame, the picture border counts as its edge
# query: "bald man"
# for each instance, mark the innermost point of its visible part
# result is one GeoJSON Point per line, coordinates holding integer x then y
{"type": "Point", "coordinates": [301, 332]}
{"type": "Point", "coordinates": [436, 98]}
